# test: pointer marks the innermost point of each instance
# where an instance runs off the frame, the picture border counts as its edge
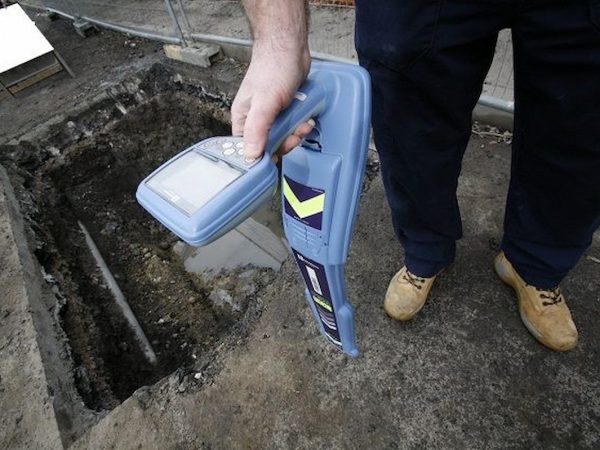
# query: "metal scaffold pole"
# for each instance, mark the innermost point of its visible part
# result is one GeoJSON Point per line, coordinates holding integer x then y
{"type": "Point", "coordinates": [176, 27]}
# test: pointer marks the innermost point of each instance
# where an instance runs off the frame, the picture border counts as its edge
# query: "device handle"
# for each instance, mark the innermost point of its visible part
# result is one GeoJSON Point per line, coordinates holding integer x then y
{"type": "Point", "coordinates": [308, 102]}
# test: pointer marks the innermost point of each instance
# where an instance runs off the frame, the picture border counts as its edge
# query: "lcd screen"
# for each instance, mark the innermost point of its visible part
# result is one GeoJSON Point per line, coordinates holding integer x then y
{"type": "Point", "coordinates": [192, 180]}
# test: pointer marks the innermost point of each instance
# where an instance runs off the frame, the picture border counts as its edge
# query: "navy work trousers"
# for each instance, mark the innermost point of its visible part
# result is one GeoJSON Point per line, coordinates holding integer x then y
{"type": "Point", "coordinates": [428, 60]}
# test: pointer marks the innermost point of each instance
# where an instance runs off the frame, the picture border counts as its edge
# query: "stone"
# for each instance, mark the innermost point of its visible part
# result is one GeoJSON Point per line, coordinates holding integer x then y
{"type": "Point", "coordinates": [199, 55]}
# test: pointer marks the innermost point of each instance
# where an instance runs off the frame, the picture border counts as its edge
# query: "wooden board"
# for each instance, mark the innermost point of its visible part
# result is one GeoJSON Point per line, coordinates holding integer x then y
{"type": "Point", "coordinates": [43, 74]}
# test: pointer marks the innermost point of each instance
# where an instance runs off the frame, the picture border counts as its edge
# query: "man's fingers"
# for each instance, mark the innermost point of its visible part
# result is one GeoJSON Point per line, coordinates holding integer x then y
{"type": "Point", "coordinates": [257, 126]}
{"type": "Point", "coordinates": [305, 128]}
{"type": "Point", "coordinates": [239, 111]}
{"type": "Point", "coordinates": [290, 142]}
{"type": "Point", "coordinates": [253, 120]}
{"type": "Point", "coordinates": [237, 123]}
{"type": "Point", "coordinates": [299, 133]}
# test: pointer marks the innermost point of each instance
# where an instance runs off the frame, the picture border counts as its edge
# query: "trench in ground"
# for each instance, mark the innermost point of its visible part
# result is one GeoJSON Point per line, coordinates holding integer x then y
{"type": "Point", "coordinates": [94, 181]}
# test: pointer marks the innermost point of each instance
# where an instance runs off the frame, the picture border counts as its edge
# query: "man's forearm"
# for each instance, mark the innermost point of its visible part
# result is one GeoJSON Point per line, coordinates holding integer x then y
{"type": "Point", "coordinates": [279, 24]}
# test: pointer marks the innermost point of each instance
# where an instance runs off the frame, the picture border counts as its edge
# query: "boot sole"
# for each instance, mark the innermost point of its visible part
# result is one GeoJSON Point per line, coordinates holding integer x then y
{"type": "Point", "coordinates": [403, 319]}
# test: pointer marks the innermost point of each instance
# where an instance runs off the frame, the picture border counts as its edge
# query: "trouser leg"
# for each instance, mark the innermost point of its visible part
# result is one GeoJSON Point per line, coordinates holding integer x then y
{"type": "Point", "coordinates": [553, 205]}
{"type": "Point", "coordinates": [422, 104]}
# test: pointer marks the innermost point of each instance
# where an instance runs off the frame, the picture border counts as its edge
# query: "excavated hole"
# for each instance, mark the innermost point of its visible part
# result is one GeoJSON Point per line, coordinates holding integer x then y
{"type": "Point", "coordinates": [94, 181]}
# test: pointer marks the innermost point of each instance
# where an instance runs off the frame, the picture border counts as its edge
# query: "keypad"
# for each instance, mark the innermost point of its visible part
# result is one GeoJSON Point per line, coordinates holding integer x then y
{"type": "Point", "coordinates": [230, 147]}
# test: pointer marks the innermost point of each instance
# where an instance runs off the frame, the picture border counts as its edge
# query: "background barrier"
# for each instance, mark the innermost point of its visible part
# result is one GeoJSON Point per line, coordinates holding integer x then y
{"type": "Point", "coordinates": [185, 21]}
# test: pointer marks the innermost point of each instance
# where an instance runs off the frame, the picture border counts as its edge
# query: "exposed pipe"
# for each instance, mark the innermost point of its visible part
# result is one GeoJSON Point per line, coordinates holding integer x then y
{"type": "Point", "coordinates": [119, 297]}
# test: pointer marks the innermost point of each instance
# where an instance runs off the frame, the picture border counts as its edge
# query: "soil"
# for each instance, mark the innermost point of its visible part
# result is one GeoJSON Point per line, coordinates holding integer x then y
{"type": "Point", "coordinates": [94, 181]}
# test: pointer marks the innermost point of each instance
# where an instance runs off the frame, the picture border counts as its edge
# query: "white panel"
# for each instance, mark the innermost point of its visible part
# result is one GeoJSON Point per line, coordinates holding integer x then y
{"type": "Point", "coordinates": [20, 40]}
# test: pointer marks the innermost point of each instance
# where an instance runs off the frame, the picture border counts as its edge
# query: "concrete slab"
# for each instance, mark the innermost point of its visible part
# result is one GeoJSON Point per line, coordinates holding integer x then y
{"type": "Point", "coordinates": [27, 419]}
{"type": "Point", "coordinates": [463, 374]}
{"type": "Point", "coordinates": [199, 55]}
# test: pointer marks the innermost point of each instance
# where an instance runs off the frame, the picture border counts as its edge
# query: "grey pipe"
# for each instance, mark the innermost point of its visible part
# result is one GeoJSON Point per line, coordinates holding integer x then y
{"type": "Point", "coordinates": [119, 298]}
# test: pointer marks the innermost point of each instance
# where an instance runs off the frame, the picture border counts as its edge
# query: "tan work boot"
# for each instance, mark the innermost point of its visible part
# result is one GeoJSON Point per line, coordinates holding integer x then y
{"type": "Point", "coordinates": [406, 294]}
{"type": "Point", "coordinates": [543, 311]}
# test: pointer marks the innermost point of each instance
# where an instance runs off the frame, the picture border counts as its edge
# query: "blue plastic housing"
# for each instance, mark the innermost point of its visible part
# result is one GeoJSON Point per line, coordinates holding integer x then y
{"type": "Point", "coordinates": [322, 181]}
{"type": "Point", "coordinates": [329, 173]}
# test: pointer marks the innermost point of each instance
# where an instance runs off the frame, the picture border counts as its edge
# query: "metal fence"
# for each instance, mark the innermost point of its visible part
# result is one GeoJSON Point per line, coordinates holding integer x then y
{"type": "Point", "coordinates": [185, 21]}
{"type": "Point", "coordinates": [151, 19]}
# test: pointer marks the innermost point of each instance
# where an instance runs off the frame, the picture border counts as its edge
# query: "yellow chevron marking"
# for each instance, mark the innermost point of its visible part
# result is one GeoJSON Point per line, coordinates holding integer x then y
{"type": "Point", "coordinates": [307, 207]}
{"type": "Point", "coordinates": [322, 302]}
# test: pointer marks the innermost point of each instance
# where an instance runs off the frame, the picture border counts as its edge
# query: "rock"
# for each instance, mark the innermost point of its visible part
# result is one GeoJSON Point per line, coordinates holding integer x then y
{"type": "Point", "coordinates": [111, 228]}
{"type": "Point", "coordinates": [53, 151]}
{"type": "Point", "coordinates": [248, 289]}
{"type": "Point", "coordinates": [179, 248]}
{"type": "Point", "coordinates": [143, 397]}
{"type": "Point", "coordinates": [251, 273]}
{"type": "Point", "coordinates": [220, 297]}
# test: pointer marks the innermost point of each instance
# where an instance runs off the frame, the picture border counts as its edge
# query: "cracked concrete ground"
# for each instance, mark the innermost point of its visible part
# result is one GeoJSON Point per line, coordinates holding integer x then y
{"type": "Point", "coordinates": [463, 374]}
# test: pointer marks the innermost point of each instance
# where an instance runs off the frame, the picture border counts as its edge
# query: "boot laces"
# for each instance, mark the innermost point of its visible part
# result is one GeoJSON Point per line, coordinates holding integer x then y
{"type": "Point", "coordinates": [413, 279]}
{"type": "Point", "coordinates": [552, 296]}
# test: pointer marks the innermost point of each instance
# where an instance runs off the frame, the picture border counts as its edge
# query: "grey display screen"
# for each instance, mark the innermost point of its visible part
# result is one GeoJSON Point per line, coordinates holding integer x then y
{"type": "Point", "coordinates": [192, 180]}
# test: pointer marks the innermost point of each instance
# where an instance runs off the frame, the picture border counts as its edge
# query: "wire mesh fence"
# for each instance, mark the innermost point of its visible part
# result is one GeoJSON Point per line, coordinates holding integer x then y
{"type": "Point", "coordinates": [331, 27]}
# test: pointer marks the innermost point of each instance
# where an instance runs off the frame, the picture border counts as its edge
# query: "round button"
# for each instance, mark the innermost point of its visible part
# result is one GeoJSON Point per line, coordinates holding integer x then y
{"type": "Point", "coordinates": [228, 145]}
{"type": "Point", "coordinates": [229, 151]}
{"type": "Point", "coordinates": [249, 160]}
{"type": "Point", "coordinates": [240, 152]}
{"type": "Point", "coordinates": [240, 144]}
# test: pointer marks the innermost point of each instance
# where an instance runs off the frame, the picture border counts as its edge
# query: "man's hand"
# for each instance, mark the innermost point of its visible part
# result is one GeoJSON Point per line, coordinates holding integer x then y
{"type": "Point", "coordinates": [280, 63]}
